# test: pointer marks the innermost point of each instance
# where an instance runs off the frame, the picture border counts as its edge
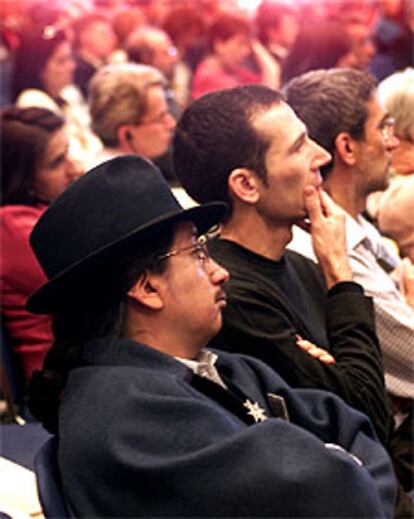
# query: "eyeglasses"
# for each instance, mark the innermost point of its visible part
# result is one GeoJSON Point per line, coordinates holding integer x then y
{"type": "Point", "coordinates": [387, 127]}
{"type": "Point", "coordinates": [171, 51]}
{"type": "Point", "coordinates": [199, 250]}
{"type": "Point", "coordinates": [160, 119]}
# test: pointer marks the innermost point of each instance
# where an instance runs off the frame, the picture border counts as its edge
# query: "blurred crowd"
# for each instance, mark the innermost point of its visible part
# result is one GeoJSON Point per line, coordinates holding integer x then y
{"type": "Point", "coordinates": [198, 45]}
{"type": "Point", "coordinates": [50, 51]}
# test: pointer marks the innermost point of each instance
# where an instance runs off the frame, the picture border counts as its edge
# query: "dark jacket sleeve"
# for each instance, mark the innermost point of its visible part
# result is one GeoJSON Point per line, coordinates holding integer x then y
{"type": "Point", "coordinates": [256, 326]}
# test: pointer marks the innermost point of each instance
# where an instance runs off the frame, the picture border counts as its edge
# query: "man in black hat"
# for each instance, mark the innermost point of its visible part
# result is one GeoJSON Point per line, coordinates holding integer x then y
{"type": "Point", "coordinates": [150, 423]}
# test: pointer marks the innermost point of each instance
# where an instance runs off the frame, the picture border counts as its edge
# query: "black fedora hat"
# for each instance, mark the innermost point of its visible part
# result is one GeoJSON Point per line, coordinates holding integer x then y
{"type": "Point", "coordinates": [123, 198]}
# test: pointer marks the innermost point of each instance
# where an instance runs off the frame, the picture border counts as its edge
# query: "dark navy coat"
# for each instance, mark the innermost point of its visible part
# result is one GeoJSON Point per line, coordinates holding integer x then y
{"type": "Point", "coordinates": [141, 435]}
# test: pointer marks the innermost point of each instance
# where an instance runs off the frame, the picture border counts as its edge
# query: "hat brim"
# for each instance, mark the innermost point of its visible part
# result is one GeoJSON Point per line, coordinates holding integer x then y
{"type": "Point", "coordinates": [46, 298]}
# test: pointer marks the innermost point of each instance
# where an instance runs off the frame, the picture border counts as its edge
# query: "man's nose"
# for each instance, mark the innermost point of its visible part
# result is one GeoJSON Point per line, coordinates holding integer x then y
{"type": "Point", "coordinates": [392, 142]}
{"type": "Point", "coordinates": [218, 274]}
{"type": "Point", "coordinates": [322, 156]}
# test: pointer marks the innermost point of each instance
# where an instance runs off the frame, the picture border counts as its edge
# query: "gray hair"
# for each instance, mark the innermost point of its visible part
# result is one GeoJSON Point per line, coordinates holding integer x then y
{"type": "Point", "coordinates": [396, 92]}
{"type": "Point", "coordinates": [118, 95]}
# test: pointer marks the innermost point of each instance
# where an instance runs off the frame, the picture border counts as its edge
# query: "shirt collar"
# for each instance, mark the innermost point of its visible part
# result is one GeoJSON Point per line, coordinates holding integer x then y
{"type": "Point", "coordinates": [356, 231]}
{"type": "Point", "coordinates": [360, 232]}
{"type": "Point", "coordinates": [204, 366]}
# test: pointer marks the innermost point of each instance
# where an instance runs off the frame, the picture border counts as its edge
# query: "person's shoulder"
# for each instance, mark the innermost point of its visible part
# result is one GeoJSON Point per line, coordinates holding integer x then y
{"type": "Point", "coordinates": [36, 97]}
{"type": "Point", "coordinates": [72, 95]}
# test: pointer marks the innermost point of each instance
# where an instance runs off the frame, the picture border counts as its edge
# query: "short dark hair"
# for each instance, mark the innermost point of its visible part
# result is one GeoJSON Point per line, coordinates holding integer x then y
{"type": "Point", "coordinates": [330, 102]}
{"type": "Point", "coordinates": [25, 134]}
{"type": "Point", "coordinates": [215, 135]}
{"type": "Point", "coordinates": [96, 314]}
{"type": "Point", "coordinates": [227, 26]}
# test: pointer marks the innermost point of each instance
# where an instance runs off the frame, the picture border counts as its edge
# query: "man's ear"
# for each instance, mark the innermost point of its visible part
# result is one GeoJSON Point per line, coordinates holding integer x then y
{"type": "Point", "coordinates": [124, 137]}
{"type": "Point", "coordinates": [243, 184]}
{"type": "Point", "coordinates": [145, 291]}
{"type": "Point", "coordinates": [345, 148]}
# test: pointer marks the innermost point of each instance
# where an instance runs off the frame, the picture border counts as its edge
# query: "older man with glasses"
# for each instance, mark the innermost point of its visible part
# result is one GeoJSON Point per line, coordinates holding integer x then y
{"type": "Point", "coordinates": [129, 111]}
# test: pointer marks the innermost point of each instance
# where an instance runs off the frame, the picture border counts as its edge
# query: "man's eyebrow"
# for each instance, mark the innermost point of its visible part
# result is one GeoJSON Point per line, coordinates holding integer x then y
{"type": "Point", "coordinates": [298, 142]}
{"type": "Point", "coordinates": [383, 119]}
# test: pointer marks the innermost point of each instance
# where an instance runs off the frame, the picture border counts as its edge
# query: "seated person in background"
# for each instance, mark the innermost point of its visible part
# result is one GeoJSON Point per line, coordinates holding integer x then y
{"type": "Point", "coordinates": [151, 46]}
{"type": "Point", "coordinates": [178, 427]}
{"type": "Point", "coordinates": [277, 27]}
{"type": "Point", "coordinates": [245, 146]}
{"type": "Point", "coordinates": [393, 209]}
{"type": "Point", "coordinates": [343, 114]}
{"type": "Point", "coordinates": [130, 114]}
{"type": "Point", "coordinates": [395, 216]}
{"type": "Point", "coordinates": [230, 46]}
{"type": "Point", "coordinates": [396, 93]}
{"type": "Point", "coordinates": [324, 44]}
{"type": "Point", "coordinates": [186, 26]}
{"type": "Point", "coordinates": [35, 169]}
{"type": "Point", "coordinates": [125, 20]}
{"type": "Point", "coordinates": [393, 34]}
{"type": "Point", "coordinates": [94, 41]}
{"type": "Point", "coordinates": [129, 111]}
{"type": "Point", "coordinates": [358, 28]}
{"type": "Point", "coordinates": [43, 77]}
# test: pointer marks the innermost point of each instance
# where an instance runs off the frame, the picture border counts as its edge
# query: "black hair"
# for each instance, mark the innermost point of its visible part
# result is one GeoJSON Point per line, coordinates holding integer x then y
{"type": "Point", "coordinates": [32, 55]}
{"type": "Point", "coordinates": [215, 136]}
{"type": "Point", "coordinates": [25, 134]}
{"type": "Point", "coordinates": [92, 308]}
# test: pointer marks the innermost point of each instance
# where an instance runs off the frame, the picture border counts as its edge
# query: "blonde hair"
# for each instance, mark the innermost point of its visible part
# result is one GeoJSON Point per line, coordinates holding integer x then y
{"type": "Point", "coordinates": [396, 92]}
{"type": "Point", "coordinates": [118, 95]}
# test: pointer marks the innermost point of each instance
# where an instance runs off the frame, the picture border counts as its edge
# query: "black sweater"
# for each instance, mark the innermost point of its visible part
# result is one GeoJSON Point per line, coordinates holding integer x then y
{"type": "Point", "coordinates": [270, 302]}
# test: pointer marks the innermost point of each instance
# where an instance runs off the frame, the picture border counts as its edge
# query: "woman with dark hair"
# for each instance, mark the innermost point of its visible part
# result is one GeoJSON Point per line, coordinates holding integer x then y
{"type": "Point", "coordinates": [35, 170]}
{"type": "Point", "coordinates": [43, 76]}
{"type": "Point", "coordinates": [231, 45]}
{"type": "Point", "coordinates": [43, 67]}
{"type": "Point", "coordinates": [322, 45]}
